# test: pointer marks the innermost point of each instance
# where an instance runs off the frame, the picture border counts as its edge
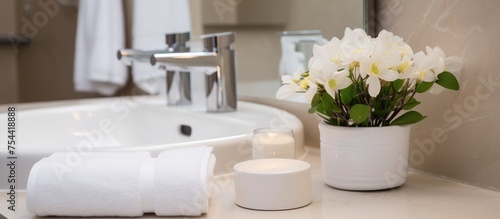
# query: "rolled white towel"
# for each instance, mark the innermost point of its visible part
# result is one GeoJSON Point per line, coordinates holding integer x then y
{"type": "Point", "coordinates": [99, 184]}
{"type": "Point", "coordinates": [122, 184]}
{"type": "Point", "coordinates": [184, 190]}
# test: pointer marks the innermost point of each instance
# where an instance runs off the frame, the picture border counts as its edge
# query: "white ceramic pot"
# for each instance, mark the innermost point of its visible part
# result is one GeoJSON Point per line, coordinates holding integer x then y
{"type": "Point", "coordinates": [364, 158]}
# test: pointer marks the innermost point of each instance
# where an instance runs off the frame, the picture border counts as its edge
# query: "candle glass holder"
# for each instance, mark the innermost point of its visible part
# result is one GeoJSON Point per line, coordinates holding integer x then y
{"type": "Point", "coordinates": [273, 143]}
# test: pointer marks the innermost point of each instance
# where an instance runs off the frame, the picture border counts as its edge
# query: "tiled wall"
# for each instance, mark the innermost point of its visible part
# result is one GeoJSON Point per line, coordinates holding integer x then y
{"type": "Point", "coordinates": [45, 67]}
{"type": "Point", "coordinates": [460, 138]}
{"type": "Point", "coordinates": [8, 54]}
{"type": "Point", "coordinates": [43, 70]}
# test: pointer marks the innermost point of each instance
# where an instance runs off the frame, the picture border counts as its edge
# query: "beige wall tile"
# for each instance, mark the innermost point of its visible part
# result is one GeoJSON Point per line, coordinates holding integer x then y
{"type": "Point", "coordinates": [7, 15]}
{"type": "Point", "coordinates": [460, 137]}
{"type": "Point", "coordinates": [8, 75]}
{"type": "Point", "coordinates": [46, 64]}
{"type": "Point", "coordinates": [8, 58]}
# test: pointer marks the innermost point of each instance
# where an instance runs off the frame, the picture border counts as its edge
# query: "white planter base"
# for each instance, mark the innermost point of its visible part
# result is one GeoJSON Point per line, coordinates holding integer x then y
{"type": "Point", "coordinates": [372, 158]}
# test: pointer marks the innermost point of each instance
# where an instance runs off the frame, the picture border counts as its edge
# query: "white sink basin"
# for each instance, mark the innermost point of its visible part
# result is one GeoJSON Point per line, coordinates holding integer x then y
{"type": "Point", "coordinates": [140, 124]}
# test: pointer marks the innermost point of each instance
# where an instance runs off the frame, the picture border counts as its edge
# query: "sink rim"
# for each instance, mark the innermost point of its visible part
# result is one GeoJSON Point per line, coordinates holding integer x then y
{"type": "Point", "coordinates": [39, 108]}
{"type": "Point", "coordinates": [228, 150]}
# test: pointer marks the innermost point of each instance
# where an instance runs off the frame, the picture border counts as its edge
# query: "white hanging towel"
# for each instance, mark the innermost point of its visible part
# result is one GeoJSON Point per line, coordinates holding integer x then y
{"type": "Point", "coordinates": [153, 19]}
{"type": "Point", "coordinates": [100, 33]}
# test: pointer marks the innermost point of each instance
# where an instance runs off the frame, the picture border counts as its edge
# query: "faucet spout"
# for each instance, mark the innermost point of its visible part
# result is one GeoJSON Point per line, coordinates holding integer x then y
{"type": "Point", "coordinates": [220, 80]}
{"type": "Point", "coordinates": [186, 59]}
{"type": "Point", "coordinates": [176, 42]}
{"type": "Point", "coordinates": [178, 82]}
{"type": "Point", "coordinates": [127, 56]}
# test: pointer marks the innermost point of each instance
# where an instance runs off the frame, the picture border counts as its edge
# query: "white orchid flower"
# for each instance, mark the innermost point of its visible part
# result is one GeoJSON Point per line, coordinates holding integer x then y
{"type": "Point", "coordinates": [439, 55]}
{"type": "Point", "coordinates": [355, 44]}
{"type": "Point", "coordinates": [404, 65]}
{"type": "Point", "coordinates": [291, 84]}
{"type": "Point", "coordinates": [370, 65]}
{"type": "Point", "coordinates": [331, 78]}
{"type": "Point", "coordinates": [335, 80]}
{"type": "Point", "coordinates": [381, 64]}
{"type": "Point", "coordinates": [331, 52]}
{"type": "Point", "coordinates": [356, 36]}
{"type": "Point", "coordinates": [423, 65]}
{"type": "Point", "coordinates": [313, 88]}
{"type": "Point", "coordinates": [451, 64]}
{"type": "Point", "coordinates": [395, 44]}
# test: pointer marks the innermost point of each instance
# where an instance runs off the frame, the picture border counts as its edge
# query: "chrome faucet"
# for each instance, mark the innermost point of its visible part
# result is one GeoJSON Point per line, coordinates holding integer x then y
{"type": "Point", "coordinates": [220, 80]}
{"type": "Point", "coordinates": [178, 82]}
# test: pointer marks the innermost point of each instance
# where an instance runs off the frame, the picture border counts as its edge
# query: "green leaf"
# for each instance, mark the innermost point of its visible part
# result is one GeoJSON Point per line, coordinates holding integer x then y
{"type": "Point", "coordinates": [383, 112]}
{"type": "Point", "coordinates": [424, 86]}
{"type": "Point", "coordinates": [326, 118]}
{"type": "Point", "coordinates": [316, 100]}
{"type": "Point", "coordinates": [397, 84]}
{"type": "Point", "coordinates": [359, 113]}
{"type": "Point", "coordinates": [448, 80]}
{"type": "Point", "coordinates": [313, 109]}
{"type": "Point", "coordinates": [327, 100]}
{"type": "Point", "coordinates": [321, 109]}
{"type": "Point", "coordinates": [348, 94]}
{"type": "Point", "coordinates": [410, 104]}
{"type": "Point", "coordinates": [336, 109]}
{"type": "Point", "coordinates": [409, 117]}
{"type": "Point", "coordinates": [329, 104]}
{"type": "Point", "coordinates": [331, 111]}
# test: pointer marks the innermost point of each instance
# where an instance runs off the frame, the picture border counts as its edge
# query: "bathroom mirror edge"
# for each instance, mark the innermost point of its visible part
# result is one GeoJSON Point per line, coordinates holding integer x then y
{"type": "Point", "coordinates": [253, 90]}
{"type": "Point", "coordinates": [30, 71]}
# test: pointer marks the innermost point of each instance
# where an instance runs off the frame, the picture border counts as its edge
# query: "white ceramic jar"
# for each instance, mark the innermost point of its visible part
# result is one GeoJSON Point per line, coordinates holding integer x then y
{"type": "Point", "coordinates": [272, 184]}
{"type": "Point", "coordinates": [364, 158]}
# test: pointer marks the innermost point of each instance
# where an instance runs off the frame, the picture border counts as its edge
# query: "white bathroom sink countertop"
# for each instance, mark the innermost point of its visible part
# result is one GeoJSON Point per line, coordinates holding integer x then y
{"type": "Point", "coordinates": [421, 196]}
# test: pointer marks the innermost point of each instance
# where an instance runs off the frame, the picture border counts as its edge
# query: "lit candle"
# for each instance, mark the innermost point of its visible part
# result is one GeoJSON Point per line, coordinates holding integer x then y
{"type": "Point", "coordinates": [273, 143]}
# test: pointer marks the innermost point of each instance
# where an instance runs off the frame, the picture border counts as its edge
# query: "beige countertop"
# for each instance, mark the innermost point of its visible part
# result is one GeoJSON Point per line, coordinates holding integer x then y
{"type": "Point", "coordinates": [421, 196]}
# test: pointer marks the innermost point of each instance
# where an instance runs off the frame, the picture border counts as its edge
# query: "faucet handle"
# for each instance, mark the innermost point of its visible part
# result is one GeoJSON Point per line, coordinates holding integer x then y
{"type": "Point", "coordinates": [217, 41]}
{"type": "Point", "coordinates": [177, 42]}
